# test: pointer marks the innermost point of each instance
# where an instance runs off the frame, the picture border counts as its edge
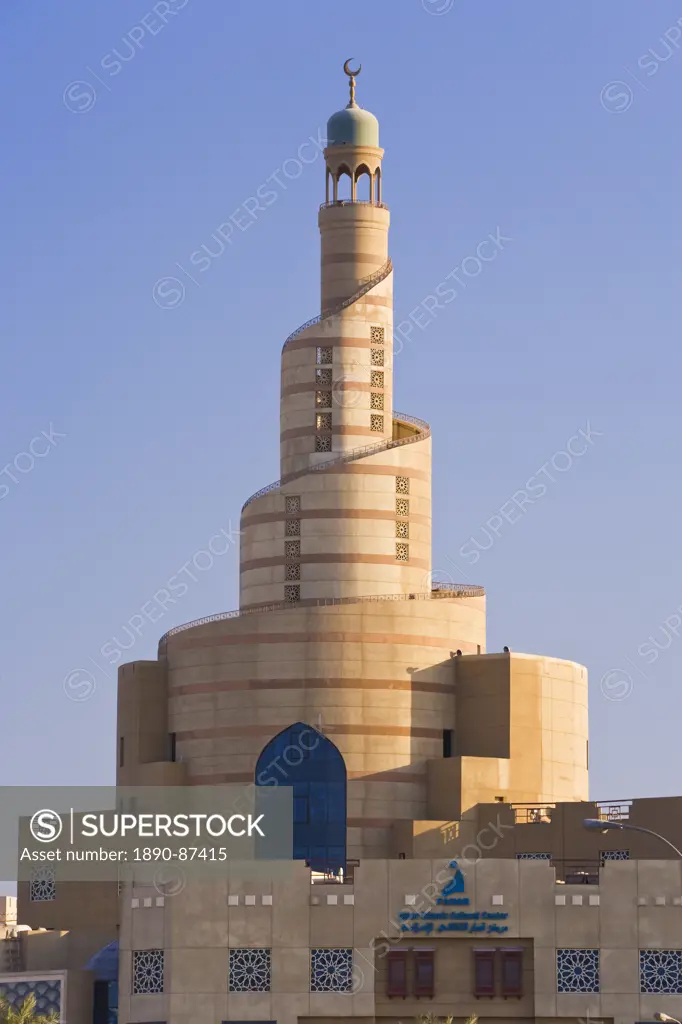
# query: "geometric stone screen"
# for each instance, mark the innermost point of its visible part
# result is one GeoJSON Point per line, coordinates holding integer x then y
{"type": "Point", "coordinates": [48, 995]}
{"type": "Point", "coordinates": [660, 970]}
{"type": "Point", "coordinates": [249, 970]}
{"type": "Point", "coordinates": [331, 970]}
{"type": "Point", "coordinates": [577, 970]}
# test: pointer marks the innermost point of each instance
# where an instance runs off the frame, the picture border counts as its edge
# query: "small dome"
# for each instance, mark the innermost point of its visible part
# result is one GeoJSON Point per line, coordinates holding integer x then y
{"type": "Point", "coordinates": [353, 126]}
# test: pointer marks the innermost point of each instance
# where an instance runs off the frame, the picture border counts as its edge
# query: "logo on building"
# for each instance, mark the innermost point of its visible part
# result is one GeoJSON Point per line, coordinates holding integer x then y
{"type": "Point", "coordinates": [439, 922]}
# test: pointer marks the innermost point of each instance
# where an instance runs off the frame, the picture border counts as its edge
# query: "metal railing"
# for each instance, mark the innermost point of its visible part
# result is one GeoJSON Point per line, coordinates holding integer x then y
{"type": "Point", "coordinates": [352, 202]}
{"type": "Point", "coordinates": [366, 285]}
{"type": "Point", "coordinates": [351, 456]}
{"type": "Point", "coordinates": [527, 814]}
{"type": "Point", "coordinates": [457, 591]}
{"type": "Point", "coordinates": [613, 810]}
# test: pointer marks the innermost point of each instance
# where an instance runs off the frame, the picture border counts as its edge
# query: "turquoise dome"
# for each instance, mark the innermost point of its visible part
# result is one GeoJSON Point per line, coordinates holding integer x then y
{"type": "Point", "coordinates": [353, 126]}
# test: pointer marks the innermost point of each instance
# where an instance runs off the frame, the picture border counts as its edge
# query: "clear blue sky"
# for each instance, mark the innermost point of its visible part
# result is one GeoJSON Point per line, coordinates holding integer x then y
{"type": "Point", "coordinates": [491, 118]}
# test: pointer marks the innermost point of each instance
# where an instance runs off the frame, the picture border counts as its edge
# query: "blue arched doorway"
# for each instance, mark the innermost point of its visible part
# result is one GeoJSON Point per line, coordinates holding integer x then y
{"type": "Point", "coordinates": [301, 757]}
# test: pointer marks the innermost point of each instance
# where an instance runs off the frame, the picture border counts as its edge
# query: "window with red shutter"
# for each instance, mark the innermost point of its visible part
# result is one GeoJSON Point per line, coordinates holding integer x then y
{"type": "Point", "coordinates": [484, 972]}
{"type": "Point", "coordinates": [397, 973]}
{"type": "Point", "coordinates": [512, 972]}
{"type": "Point", "coordinates": [424, 973]}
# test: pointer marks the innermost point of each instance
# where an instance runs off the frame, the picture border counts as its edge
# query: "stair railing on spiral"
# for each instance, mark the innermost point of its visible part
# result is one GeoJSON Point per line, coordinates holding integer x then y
{"type": "Point", "coordinates": [354, 453]}
{"type": "Point", "coordinates": [366, 285]}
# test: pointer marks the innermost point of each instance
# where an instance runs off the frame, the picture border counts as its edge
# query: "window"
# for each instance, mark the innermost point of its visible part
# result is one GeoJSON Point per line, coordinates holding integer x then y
{"type": "Point", "coordinates": [484, 972]}
{"type": "Point", "coordinates": [423, 973]}
{"type": "Point", "coordinates": [43, 888]}
{"type": "Point", "coordinates": [147, 971]}
{"type": "Point", "coordinates": [293, 572]}
{"type": "Point", "coordinates": [323, 399]}
{"type": "Point", "coordinates": [301, 757]}
{"type": "Point", "coordinates": [292, 592]}
{"type": "Point", "coordinates": [377, 357]}
{"type": "Point", "coordinates": [293, 527]}
{"type": "Point", "coordinates": [323, 443]}
{"type": "Point", "coordinates": [172, 746]}
{"type": "Point", "coordinates": [402, 529]}
{"type": "Point", "coordinates": [577, 970]}
{"type": "Point", "coordinates": [323, 421]}
{"type": "Point", "coordinates": [323, 378]}
{"type": "Point", "coordinates": [376, 335]}
{"type": "Point", "coordinates": [376, 423]}
{"type": "Point", "coordinates": [605, 855]}
{"type": "Point", "coordinates": [121, 751]}
{"type": "Point", "coordinates": [397, 974]}
{"type": "Point", "coordinates": [402, 485]}
{"type": "Point", "coordinates": [292, 549]}
{"type": "Point", "coordinates": [324, 355]}
{"type": "Point", "coordinates": [249, 970]}
{"type": "Point", "coordinates": [660, 970]}
{"type": "Point", "coordinates": [402, 507]}
{"type": "Point", "coordinates": [292, 505]}
{"type": "Point", "coordinates": [512, 972]}
{"type": "Point", "coordinates": [331, 970]}
{"type": "Point", "coordinates": [533, 856]}
{"type": "Point", "coordinates": [402, 552]}
{"type": "Point", "coordinates": [376, 400]}
{"type": "Point", "coordinates": [377, 379]}
{"type": "Point", "coordinates": [447, 742]}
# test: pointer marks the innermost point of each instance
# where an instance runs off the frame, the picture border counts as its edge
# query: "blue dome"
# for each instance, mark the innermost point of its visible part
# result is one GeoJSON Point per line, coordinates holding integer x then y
{"type": "Point", "coordinates": [353, 126]}
{"type": "Point", "coordinates": [105, 963]}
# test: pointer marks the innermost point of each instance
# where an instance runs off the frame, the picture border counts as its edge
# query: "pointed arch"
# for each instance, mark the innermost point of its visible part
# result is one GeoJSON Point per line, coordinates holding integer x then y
{"type": "Point", "coordinates": [363, 171]}
{"type": "Point", "coordinates": [301, 757]}
{"type": "Point", "coordinates": [345, 190]}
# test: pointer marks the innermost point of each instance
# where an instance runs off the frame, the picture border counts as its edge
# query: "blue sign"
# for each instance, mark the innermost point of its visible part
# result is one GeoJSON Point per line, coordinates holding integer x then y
{"type": "Point", "coordinates": [471, 922]}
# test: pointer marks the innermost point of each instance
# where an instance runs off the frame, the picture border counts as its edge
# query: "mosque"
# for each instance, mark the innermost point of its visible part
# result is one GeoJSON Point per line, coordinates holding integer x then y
{"type": "Point", "coordinates": [440, 860]}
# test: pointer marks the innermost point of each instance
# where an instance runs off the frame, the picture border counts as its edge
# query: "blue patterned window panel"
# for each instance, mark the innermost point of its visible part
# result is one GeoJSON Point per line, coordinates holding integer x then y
{"type": "Point", "coordinates": [660, 970]}
{"type": "Point", "coordinates": [605, 855]}
{"type": "Point", "coordinates": [147, 971]}
{"type": "Point", "coordinates": [249, 970]}
{"type": "Point", "coordinates": [577, 970]}
{"type": "Point", "coordinates": [48, 994]}
{"type": "Point", "coordinates": [331, 970]}
{"type": "Point", "coordinates": [533, 856]}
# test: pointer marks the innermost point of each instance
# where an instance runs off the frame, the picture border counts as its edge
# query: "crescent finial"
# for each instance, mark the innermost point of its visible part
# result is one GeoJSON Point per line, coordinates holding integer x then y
{"type": "Point", "coordinates": [351, 74]}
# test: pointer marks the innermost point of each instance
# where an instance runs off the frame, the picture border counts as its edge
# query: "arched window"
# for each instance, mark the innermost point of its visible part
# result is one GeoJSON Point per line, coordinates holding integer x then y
{"type": "Point", "coordinates": [301, 757]}
{"type": "Point", "coordinates": [344, 184]}
{"type": "Point", "coordinates": [363, 184]}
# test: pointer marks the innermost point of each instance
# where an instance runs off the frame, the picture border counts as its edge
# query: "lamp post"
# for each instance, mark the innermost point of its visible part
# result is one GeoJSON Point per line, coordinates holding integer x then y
{"type": "Point", "coordinates": [599, 825]}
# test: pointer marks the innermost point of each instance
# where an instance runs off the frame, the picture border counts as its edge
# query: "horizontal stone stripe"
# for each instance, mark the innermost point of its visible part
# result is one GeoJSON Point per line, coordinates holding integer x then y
{"type": "Point", "coordinates": [239, 778]}
{"type": "Point", "coordinates": [238, 685]}
{"type": "Point", "coordinates": [338, 385]}
{"type": "Point", "coordinates": [361, 466]}
{"type": "Point", "coordinates": [333, 558]}
{"type": "Point", "coordinates": [338, 430]}
{"type": "Point", "coordinates": [352, 257]}
{"type": "Point", "coordinates": [334, 513]}
{"type": "Point", "coordinates": [267, 731]}
{"type": "Point", "coordinates": [325, 340]}
{"type": "Point", "coordinates": [180, 641]}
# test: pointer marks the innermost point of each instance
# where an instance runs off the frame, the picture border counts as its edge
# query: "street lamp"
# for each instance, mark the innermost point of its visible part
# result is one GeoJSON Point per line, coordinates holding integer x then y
{"type": "Point", "coordinates": [605, 825]}
{"type": "Point", "coordinates": [665, 1018]}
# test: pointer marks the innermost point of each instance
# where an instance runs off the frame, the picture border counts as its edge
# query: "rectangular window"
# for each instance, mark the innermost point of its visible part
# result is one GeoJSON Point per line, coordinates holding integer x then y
{"type": "Point", "coordinates": [121, 754]}
{"type": "Point", "coordinates": [172, 746]}
{"type": "Point", "coordinates": [376, 422]}
{"type": "Point", "coordinates": [424, 973]}
{"type": "Point", "coordinates": [377, 357]}
{"type": "Point", "coordinates": [323, 399]}
{"type": "Point", "coordinates": [323, 421]}
{"type": "Point", "coordinates": [484, 972]}
{"type": "Point", "coordinates": [397, 974]}
{"type": "Point", "coordinates": [447, 742]}
{"type": "Point", "coordinates": [512, 972]}
{"type": "Point", "coordinates": [324, 354]}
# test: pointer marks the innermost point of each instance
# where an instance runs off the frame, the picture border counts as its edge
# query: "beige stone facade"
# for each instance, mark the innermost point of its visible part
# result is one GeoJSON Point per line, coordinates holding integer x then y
{"type": "Point", "coordinates": [448, 752]}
